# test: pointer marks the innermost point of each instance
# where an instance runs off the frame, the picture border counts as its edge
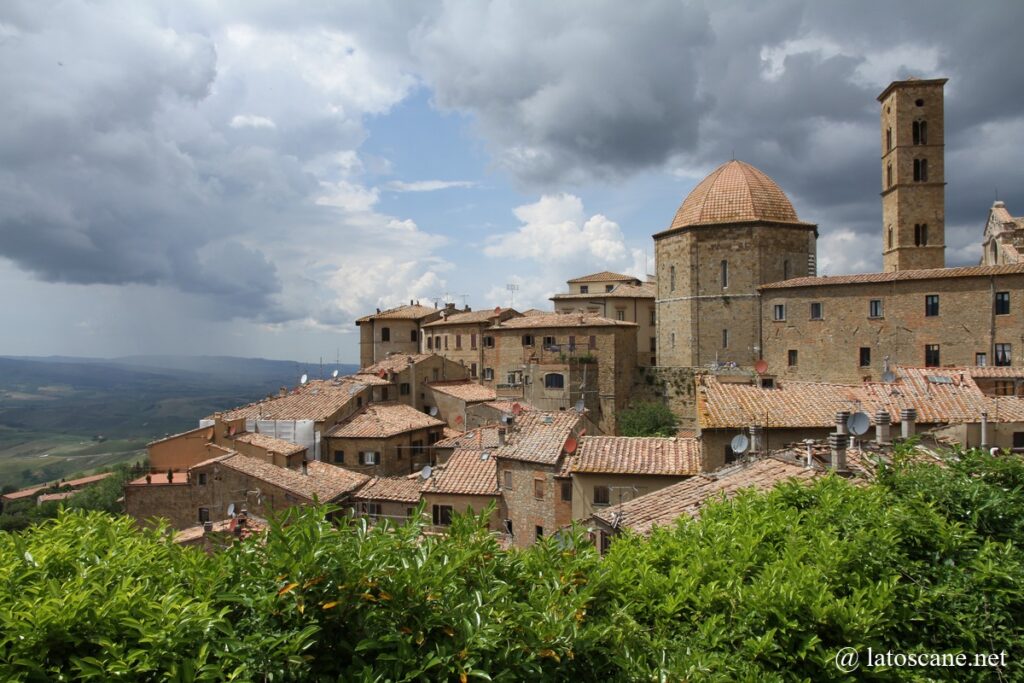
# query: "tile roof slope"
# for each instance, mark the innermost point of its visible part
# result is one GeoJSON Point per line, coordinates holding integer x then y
{"type": "Point", "coordinates": [507, 405]}
{"type": "Point", "coordinates": [604, 276]}
{"type": "Point", "coordinates": [531, 439]}
{"type": "Point", "coordinates": [74, 483]}
{"type": "Point", "coordinates": [897, 276]}
{"type": "Point", "coordinates": [396, 363]}
{"type": "Point", "coordinates": [466, 474]}
{"type": "Point", "coordinates": [636, 455]}
{"type": "Point", "coordinates": [647, 290]}
{"type": "Point", "coordinates": [381, 420]}
{"type": "Point", "coordinates": [560, 320]}
{"type": "Point", "coordinates": [270, 443]}
{"type": "Point", "coordinates": [315, 401]}
{"type": "Point", "coordinates": [169, 437]}
{"type": "Point", "coordinates": [479, 438]}
{"type": "Point", "coordinates": [396, 489]}
{"type": "Point", "coordinates": [665, 506]}
{"type": "Point", "coordinates": [407, 312]}
{"type": "Point", "coordinates": [326, 482]}
{"type": "Point", "coordinates": [470, 317]}
{"type": "Point", "coordinates": [734, 192]}
{"type": "Point", "coordinates": [466, 390]}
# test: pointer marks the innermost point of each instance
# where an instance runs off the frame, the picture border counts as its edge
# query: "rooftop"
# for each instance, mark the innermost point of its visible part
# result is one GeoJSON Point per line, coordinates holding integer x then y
{"type": "Point", "coordinates": [394, 489]}
{"type": "Point", "coordinates": [315, 401]}
{"type": "Point", "coordinates": [604, 276]}
{"type": "Point", "coordinates": [473, 317]}
{"type": "Point", "coordinates": [270, 443]}
{"type": "Point", "coordinates": [396, 362]}
{"type": "Point", "coordinates": [540, 436]}
{"type": "Point", "coordinates": [253, 525]}
{"type": "Point", "coordinates": [552, 320]}
{"type": "Point", "coordinates": [647, 290]}
{"type": "Point", "coordinates": [479, 438]}
{"type": "Point", "coordinates": [897, 276]}
{"type": "Point", "coordinates": [407, 312]}
{"type": "Point", "coordinates": [466, 473]}
{"type": "Point", "coordinates": [325, 482]}
{"type": "Point", "coordinates": [72, 483]}
{"type": "Point", "coordinates": [466, 390]}
{"type": "Point", "coordinates": [382, 420]}
{"type": "Point", "coordinates": [636, 455]}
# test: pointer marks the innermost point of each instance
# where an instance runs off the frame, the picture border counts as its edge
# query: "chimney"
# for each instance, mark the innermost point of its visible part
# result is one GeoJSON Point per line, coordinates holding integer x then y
{"type": "Point", "coordinates": [842, 417]}
{"type": "Point", "coordinates": [837, 444]}
{"type": "Point", "coordinates": [908, 416]}
{"type": "Point", "coordinates": [882, 431]}
{"type": "Point", "coordinates": [305, 467]}
{"type": "Point", "coordinates": [984, 430]}
{"type": "Point", "coordinates": [756, 439]}
{"type": "Point", "coordinates": [410, 302]}
{"type": "Point", "coordinates": [283, 391]}
{"type": "Point", "coordinates": [207, 527]}
{"type": "Point", "coordinates": [501, 436]}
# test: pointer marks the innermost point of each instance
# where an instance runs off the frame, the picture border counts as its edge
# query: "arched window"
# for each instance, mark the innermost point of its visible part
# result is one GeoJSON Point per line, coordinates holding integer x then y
{"type": "Point", "coordinates": [785, 269]}
{"type": "Point", "coordinates": [888, 139]}
{"type": "Point", "coordinates": [554, 380]}
{"type": "Point", "coordinates": [671, 278]}
{"type": "Point", "coordinates": [890, 237]}
{"type": "Point", "coordinates": [921, 170]}
{"type": "Point", "coordinates": [725, 274]}
{"type": "Point", "coordinates": [888, 175]}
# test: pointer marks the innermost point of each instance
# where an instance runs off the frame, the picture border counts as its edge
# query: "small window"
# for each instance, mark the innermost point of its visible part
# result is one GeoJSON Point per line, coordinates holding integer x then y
{"type": "Point", "coordinates": [472, 370]}
{"type": "Point", "coordinates": [339, 457]}
{"type": "Point", "coordinates": [458, 341]}
{"type": "Point", "coordinates": [539, 532]}
{"type": "Point", "coordinates": [538, 489]}
{"type": "Point", "coordinates": [554, 380]}
{"type": "Point", "coordinates": [488, 374]}
{"type": "Point", "coordinates": [442, 515]}
{"type": "Point", "coordinates": [816, 310]}
{"type": "Point", "coordinates": [592, 342]}
{"type": "Point", "coordinates": [792, 357]}
{"type": "Point", "coordinates": [919, 103]}
{"type": "Point", "coordinates": [1004, 354]}
{"type": "Point", "coordinates": [875, 308]}
{"type": "Point", "coordinates": [609, 288]}
{"type": "Point", "coordinates": [620, 314]}
{"type": "Point", "coordinates": [1002, 303]}
{"type": "Point", "coordinates": [654, 344]}
{"type": "Point", "coordinates": [931, 305]}
{"type": "Point", "coordinates": [919, 133]}
{"type": "Point", "coordinates": [888, 139]}
{"type": "Point", "coordinates": [566, 487]}
{"type": "Point", "coordinates": [890, 237]}
{"type": "Point", "coordinates": [672, 278]}
{"type": "Point", "coordinates": [472, 341]}
{"type": "Point", "coordinates": [725, 274]}
{"type": "Point", "coordinates": [785, 269]}
{"type": "Point", "coordinates": [414, 335]}
{"type": "Point", "coordinates": [601, 495]}
{"type": "Point", "coordinates": [981, 359]}
{"type": "Point", "coordinates": [654, 318]}
{"type": "Point", "coordinates": [779, 312]}
{"type": "Point", "coordinates": [202, 478]}
{"type": "Point", "coordinates": [1018, 440]}
{"type": "Point", "coordinates": [488, 342]}
{"type": "Point", "coordinates": [865, 356]}
{"type": "Point", "coordinates": [430, 343]}
{"type": "Point", "coordinates": [403, 389]}
{"type": "Point", "coordinates": [572, 342]}
{"type": "Point", "coordinates": [888, 175]}
{"type": "Point", "coordinates": [204, 515]}
{"type": "Point", "coordinates": [385, 334]}
{"type": "Point", "coordinates": [920, 234]}
{"type": "Point", "coordinates": [507, 479]}
{"type": "Point", "coordinates": [369, 458]}
{"type": "Point", "coordinates": [508, 527]}
{"type": "Point", "coordinates": [921, 170]}
{"type": "Point", "coordinates": [672, 338]}
{"type": "Point", "coordinates": [527, 340]}
{"type": "Point", "coordinates": [359, 401]}
{"type": "Point", "coordinates": [384, 393]}
{"type": "Point", "coordinates": [730, 454]}
{"type": "Point", "coordinates": [584, 289]}
{"type": "Point", "coordinates": [372, 509]}
{"type": "Point", "coordinates": [435, 373]}
{"type": "Point", "coordinates": [931, 356]}
{"type": "Point", "coordinates": [725, 339]}
{"type": "Point", "coordinates": [548, 342]}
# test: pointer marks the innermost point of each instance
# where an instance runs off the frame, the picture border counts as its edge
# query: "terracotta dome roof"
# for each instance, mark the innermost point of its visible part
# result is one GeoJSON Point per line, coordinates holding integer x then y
{"type": "Point", "coordinates": [735, 192]}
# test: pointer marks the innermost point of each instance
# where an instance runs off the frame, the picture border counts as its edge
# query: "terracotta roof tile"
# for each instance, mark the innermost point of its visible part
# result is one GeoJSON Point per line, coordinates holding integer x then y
{"type": "Point", "coordinates": [381, 420]}
{"type": "Point", "coordinates": [897, 276]}
{"type": "Point", "coordinates": [396, 363]}
{"type": "Point", "coordinates": [647, 290]}
{"type": "Point", "coordinates": [473, 317]}
{"type": "Point", "coordinates": [465, 473]}
{"type": "Point", "coordinates": [324, 481]}
{"type": "Point", "coordinates": [316, 401]}
{"type": "Point", "coordinates": [560, 320]}
{"type": "Point", "coordinates": [466, 390]}
{"type": "Point", "coordinates": [253, 525]}
{"type": "Point", "coordinates": [479, 438]}
{"type": "Point", "coordinates": [414, 312]}
{"type": "Point", "coordinates": [50, 497]}
{"type": "Point", "coordinates": [605, 276]}
{"type": "Point", "coordinates": [395, 489]}
{"type": "Point", "coordinates": [636, 455]}
{"type": "Point", "coordinates": [539, 437]}
{"type": "Point", "coordinates": [270, 443]}
{"type": "Point", "coordinates": [73, 483]}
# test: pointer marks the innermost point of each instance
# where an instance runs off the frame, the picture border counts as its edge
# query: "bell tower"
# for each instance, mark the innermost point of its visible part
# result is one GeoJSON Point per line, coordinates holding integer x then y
{"type": "Point", "coordinates": [913, 175]}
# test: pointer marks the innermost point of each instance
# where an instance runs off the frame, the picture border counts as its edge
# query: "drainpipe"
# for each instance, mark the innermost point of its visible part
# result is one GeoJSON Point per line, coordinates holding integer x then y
{"type": "Point", "coordinates": [837, 444]}
{"type": "Point", "coordinates": [907, 417]}
{"type": "Point", "coordinates": [882, 429]}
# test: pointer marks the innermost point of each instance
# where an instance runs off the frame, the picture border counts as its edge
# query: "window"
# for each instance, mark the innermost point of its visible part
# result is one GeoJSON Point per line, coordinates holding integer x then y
{"type": "Point", "coordinates": [592, 342]}
{"type": "Point", "coordinates": [779, 312]}
{"type": "Point", "coordinates": [403, 389]}
{"type": "Point", "coordinates": [865, 356]}
{"type": "Point", "coordinates": [920, 132]}
{"type": "Point", "coordinates": [920, 234]}
{"type": "Point", "coordinates": [1018, 440]}
{"type": "Point", "coordinates": [725, 274]}
{"type": "Point", "coordinates": [202, 478]}
{"type": "Point", "coordinates": [372, 509]}
{"type": "Point", "coordinates": [584, 289]}
{"type": "Point", "coordinates": [204, 515]}
{"type": "Point", "coordinates": [369, 458]}
{"type": "Point", "coordinates": [359, 401]}
{"type": "Point", "coordinates": [383, 393]}
{"type": "Point", "coordinates": [792, 357]}
{"type": "Point", "coordinates": [890, 237]}
{"type": "Point", "coordinates": [339, 457]}
{"type": "Point", "coordinates": [566, 487]}
{"type": "Point", "coordinates": [609, 288]}
{"type": "Point", "coordinates": [1002, 303]}
{"type": "Point", "coordinates": [472, 341]}
{"type": "Point", "coordinates": [548, 342]}
{"type": "Point", "coordinates": [507, 477]}
{"type": "Point", "coordinates": [458, 341]}
{"type": "Point", "coordinates": [816, 310]}
{"type": "Point", "coordinates": [730, 454]}
{"type": "Point", "coordinates": [785, 269]}
{"type": "Point", "coordinates": [888, 139]}
{"type": "Point", "coordinates": [601, 495]}
{"type": "Point", "coordinates": [514, 378]}
{"type": "Point", "coordinates": [435, 373]}
{"type": "Point", "coordinates": [472, 370]}
{"type": "Point", "coordinates": [446, 342]}
{"type": "Point", "coordinates": [527, 340]}
{"type": "Point", "coordinates": [572, 342]}
{"type": "Point", "coordinates": [539, 531]}
{"type": "Point", "coordinates": [620, 314]}
{"type": "Point", "coordinates": [725, 339]}
{"type": "Point", "coordinates": [385, 334]}
{"type": "Point", "coordinates": [417, 446]}
{"type": "Point", "coordinates": [430, 343]}
{"type": "Point", "coordinates": [981, 359]}
{"type": "Point", "coordinates": [508, 527]}
{"type": "Point", "coordinates": [414, 335]}
{"type": "Point", "coordinates": [654, 344]}
{"type": "Point", "coordinates": [672, 278]}
{"type": "Point", "coordinates": [605, 543]}
{"type": "Point", "coordinates": [931, 305]}
{"type": "Point", "coordinates": [919, 103]}
{"type": "Point", "coordinates": [875, 308]}
{"type": "Point", "coordinates": [488, 342]}
{"type": "Point", "coordinates": [931, 356]}
{"type": "Point", "coordinates": [488, 374]}
{"type": "Point", "coordinates": [442, 515]}
{"type": "Point", "coordinates": [654, 318]}
{"type": "Point", "coordinates": [554, 380]}
{"type": "Point", "coordinates": [673, 339]}
{"type": "Point", "coordinates": [767, 383]}
{"type": "Point", "coordinates": [888, 175]}
{"type": "Point", "coordinates": [538, 489]}
{"type": "Point", "coordinates": [1004, 354]}
{"type": "Point", "coordinates": [1004, 387]}
{"type": "Point", "coordinates": [921, 170]}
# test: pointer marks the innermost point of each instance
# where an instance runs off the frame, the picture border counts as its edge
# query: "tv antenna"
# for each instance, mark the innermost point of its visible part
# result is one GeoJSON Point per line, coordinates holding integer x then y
{"type": "Point", "coordinates": [512, 288]}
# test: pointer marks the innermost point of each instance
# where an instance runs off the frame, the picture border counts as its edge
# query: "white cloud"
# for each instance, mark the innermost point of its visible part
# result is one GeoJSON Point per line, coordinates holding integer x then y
{"type": "Point", "coordinates": [429, 185]}
{"type": "Point", "coordinates": [252, 121]}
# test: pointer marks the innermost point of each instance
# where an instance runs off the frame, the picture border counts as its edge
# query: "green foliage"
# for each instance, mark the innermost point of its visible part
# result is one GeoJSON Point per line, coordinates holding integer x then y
{"type": "Point", "coordinates": [763, 587]}
{"type": "Point", "coordinates": [647, 419]}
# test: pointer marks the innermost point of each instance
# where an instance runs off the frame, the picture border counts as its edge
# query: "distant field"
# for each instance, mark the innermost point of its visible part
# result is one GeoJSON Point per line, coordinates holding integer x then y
{"type": "Point", "coordinates": [30, 457]}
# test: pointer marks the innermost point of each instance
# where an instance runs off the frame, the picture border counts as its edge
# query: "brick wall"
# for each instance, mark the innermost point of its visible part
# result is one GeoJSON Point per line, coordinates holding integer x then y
{"type": "Point", "coordinates": [522, 506]}
{"type": "Point", "coordinates": [397, 457]}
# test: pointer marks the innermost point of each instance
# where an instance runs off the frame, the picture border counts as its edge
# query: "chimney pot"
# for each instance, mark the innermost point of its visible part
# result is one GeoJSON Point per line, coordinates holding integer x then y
{"type": "Point", "coordinates": [207, 527]}
{"type": "Point", "coordinates": [756, 438]}
{"type": "Point", "coordinates": [837, 444]}
{"type": "Point", "coordinates": [908, 416]}
{"type": "Point", "coordinates": [501, 436]}
{"type": "Point", "coordinates": [842, 417]}
{"type": "Point", "coordinates": [882, 429]}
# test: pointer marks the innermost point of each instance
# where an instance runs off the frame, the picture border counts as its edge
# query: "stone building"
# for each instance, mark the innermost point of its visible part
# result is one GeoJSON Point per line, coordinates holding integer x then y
{"type": "Point", "coordinates": [466, 482]}
{"type": "Point", "coordinates": [396, 330]}
{"type": "Point", "coordinates": [458, 335]}
{"type": "Point", "coordinates": [1003, 242]}
{"type": "Point", "coordinates": [619, 297]}
{"type": "Point", "coordinates": [384, 439]}
{"type": "Point", "coordinates": [456, 400]}
{"type": "Point", "coordinates": [406, 376]}
{"type": "Point", "coordinates": [391, 498]}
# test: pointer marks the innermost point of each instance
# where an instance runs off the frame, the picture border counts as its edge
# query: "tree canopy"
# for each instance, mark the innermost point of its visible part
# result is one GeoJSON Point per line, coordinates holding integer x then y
{"type": "Point", "coordinates": [647, 419]}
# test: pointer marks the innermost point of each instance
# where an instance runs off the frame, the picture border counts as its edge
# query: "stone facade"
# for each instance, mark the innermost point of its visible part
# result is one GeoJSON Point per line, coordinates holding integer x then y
{"type": "Point", "coordinates": [399, 455]}
{"type": "Point", "coordinates": [913, 175]}
{"type": "Point", "coordinates": [458, 336]}
{"type": "Point", "coordinates": [396, 330]}
{"type": "Point", "coordinates": [620, 487]}
{"type": "Point", "coordinates": [462, 504]}
{"type": "Point", "coordinates": [530, 503]}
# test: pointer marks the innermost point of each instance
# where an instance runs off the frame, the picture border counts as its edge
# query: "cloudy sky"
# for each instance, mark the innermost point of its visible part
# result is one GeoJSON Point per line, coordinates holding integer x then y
{"type": "Point", "coordinates": [246, 178]}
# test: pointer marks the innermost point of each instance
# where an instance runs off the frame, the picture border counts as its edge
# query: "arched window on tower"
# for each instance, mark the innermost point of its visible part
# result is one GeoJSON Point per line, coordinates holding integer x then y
{"type": "Point", "coordinates": [921, 170]}
{"type": "Point", "coordinates": [725, 274]}
{"type": "Point", "coordinates": [888, 139]}
{"type": "Point", "coordinates": [671, 278]}
{"type": "Point", "coordinates": [785, 269]}
{"type": "Point", "coordinates": [890, 237]}
{"type": "Point", "coordinates": [920, 234]}
{"type": "Point", "coordinates": [888, 175]}
{"type": "Point", "coordinates": [920, 132]}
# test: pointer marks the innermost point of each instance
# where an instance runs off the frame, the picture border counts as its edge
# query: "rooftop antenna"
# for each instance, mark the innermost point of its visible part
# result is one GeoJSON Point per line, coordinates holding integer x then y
{"type": "Point", "coordinates": [464, 297]}
{"type": "Point", "coordinates": [512, 288]}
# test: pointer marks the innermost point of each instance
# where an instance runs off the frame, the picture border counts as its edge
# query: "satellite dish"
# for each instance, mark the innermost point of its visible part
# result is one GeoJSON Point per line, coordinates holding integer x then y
{"type": "Point", "coordinates": [740, 443]}
{"type": "Point", "coordinates": [761, 366]}
{"type": "Point", "coordinates": [580, 405]}
{"type": "Point", "coordinates": [334, 374]}
{"type": "Point", "coordinates": [858, 423]}
{"type": "Point", "coordinates": [459, 420]}
{"type": "Point", "coordinates": [517, 409]}
{"type": "Point", "coordinates": [485, 455]}
{"type": "Point", "coordinates": [433, 411]}
{"type": "Point", "coordinates": [231, 510]}
{"type": "Point", "coordinates": [304, 378]}
{"type": "Point", "coordinates": [888, 376]}
{"type": "Point", "coordinates": [426, 472]}
{"type": "Point", "coordinates": [570, 445]}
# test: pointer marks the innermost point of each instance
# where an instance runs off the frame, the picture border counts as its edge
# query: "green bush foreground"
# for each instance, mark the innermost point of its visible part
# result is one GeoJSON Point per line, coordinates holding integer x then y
{"type": "Point", "coordinates": [764, 587]}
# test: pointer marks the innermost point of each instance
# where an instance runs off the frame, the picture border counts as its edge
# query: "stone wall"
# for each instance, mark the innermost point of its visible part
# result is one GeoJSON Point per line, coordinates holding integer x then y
{"type": "Point", "coordinates": [522, 506]}
{"type": "Point", "coordinates": [398, 454]}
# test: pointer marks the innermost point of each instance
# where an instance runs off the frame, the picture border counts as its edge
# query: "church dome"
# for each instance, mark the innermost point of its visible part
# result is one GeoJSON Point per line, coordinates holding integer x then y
{"type": "Point", "coordinates": [735, 192]}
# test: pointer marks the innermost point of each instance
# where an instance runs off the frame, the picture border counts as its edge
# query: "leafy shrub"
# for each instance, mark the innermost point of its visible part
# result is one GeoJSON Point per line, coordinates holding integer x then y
{"type": "Point", "coordinates": [647, 419]}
